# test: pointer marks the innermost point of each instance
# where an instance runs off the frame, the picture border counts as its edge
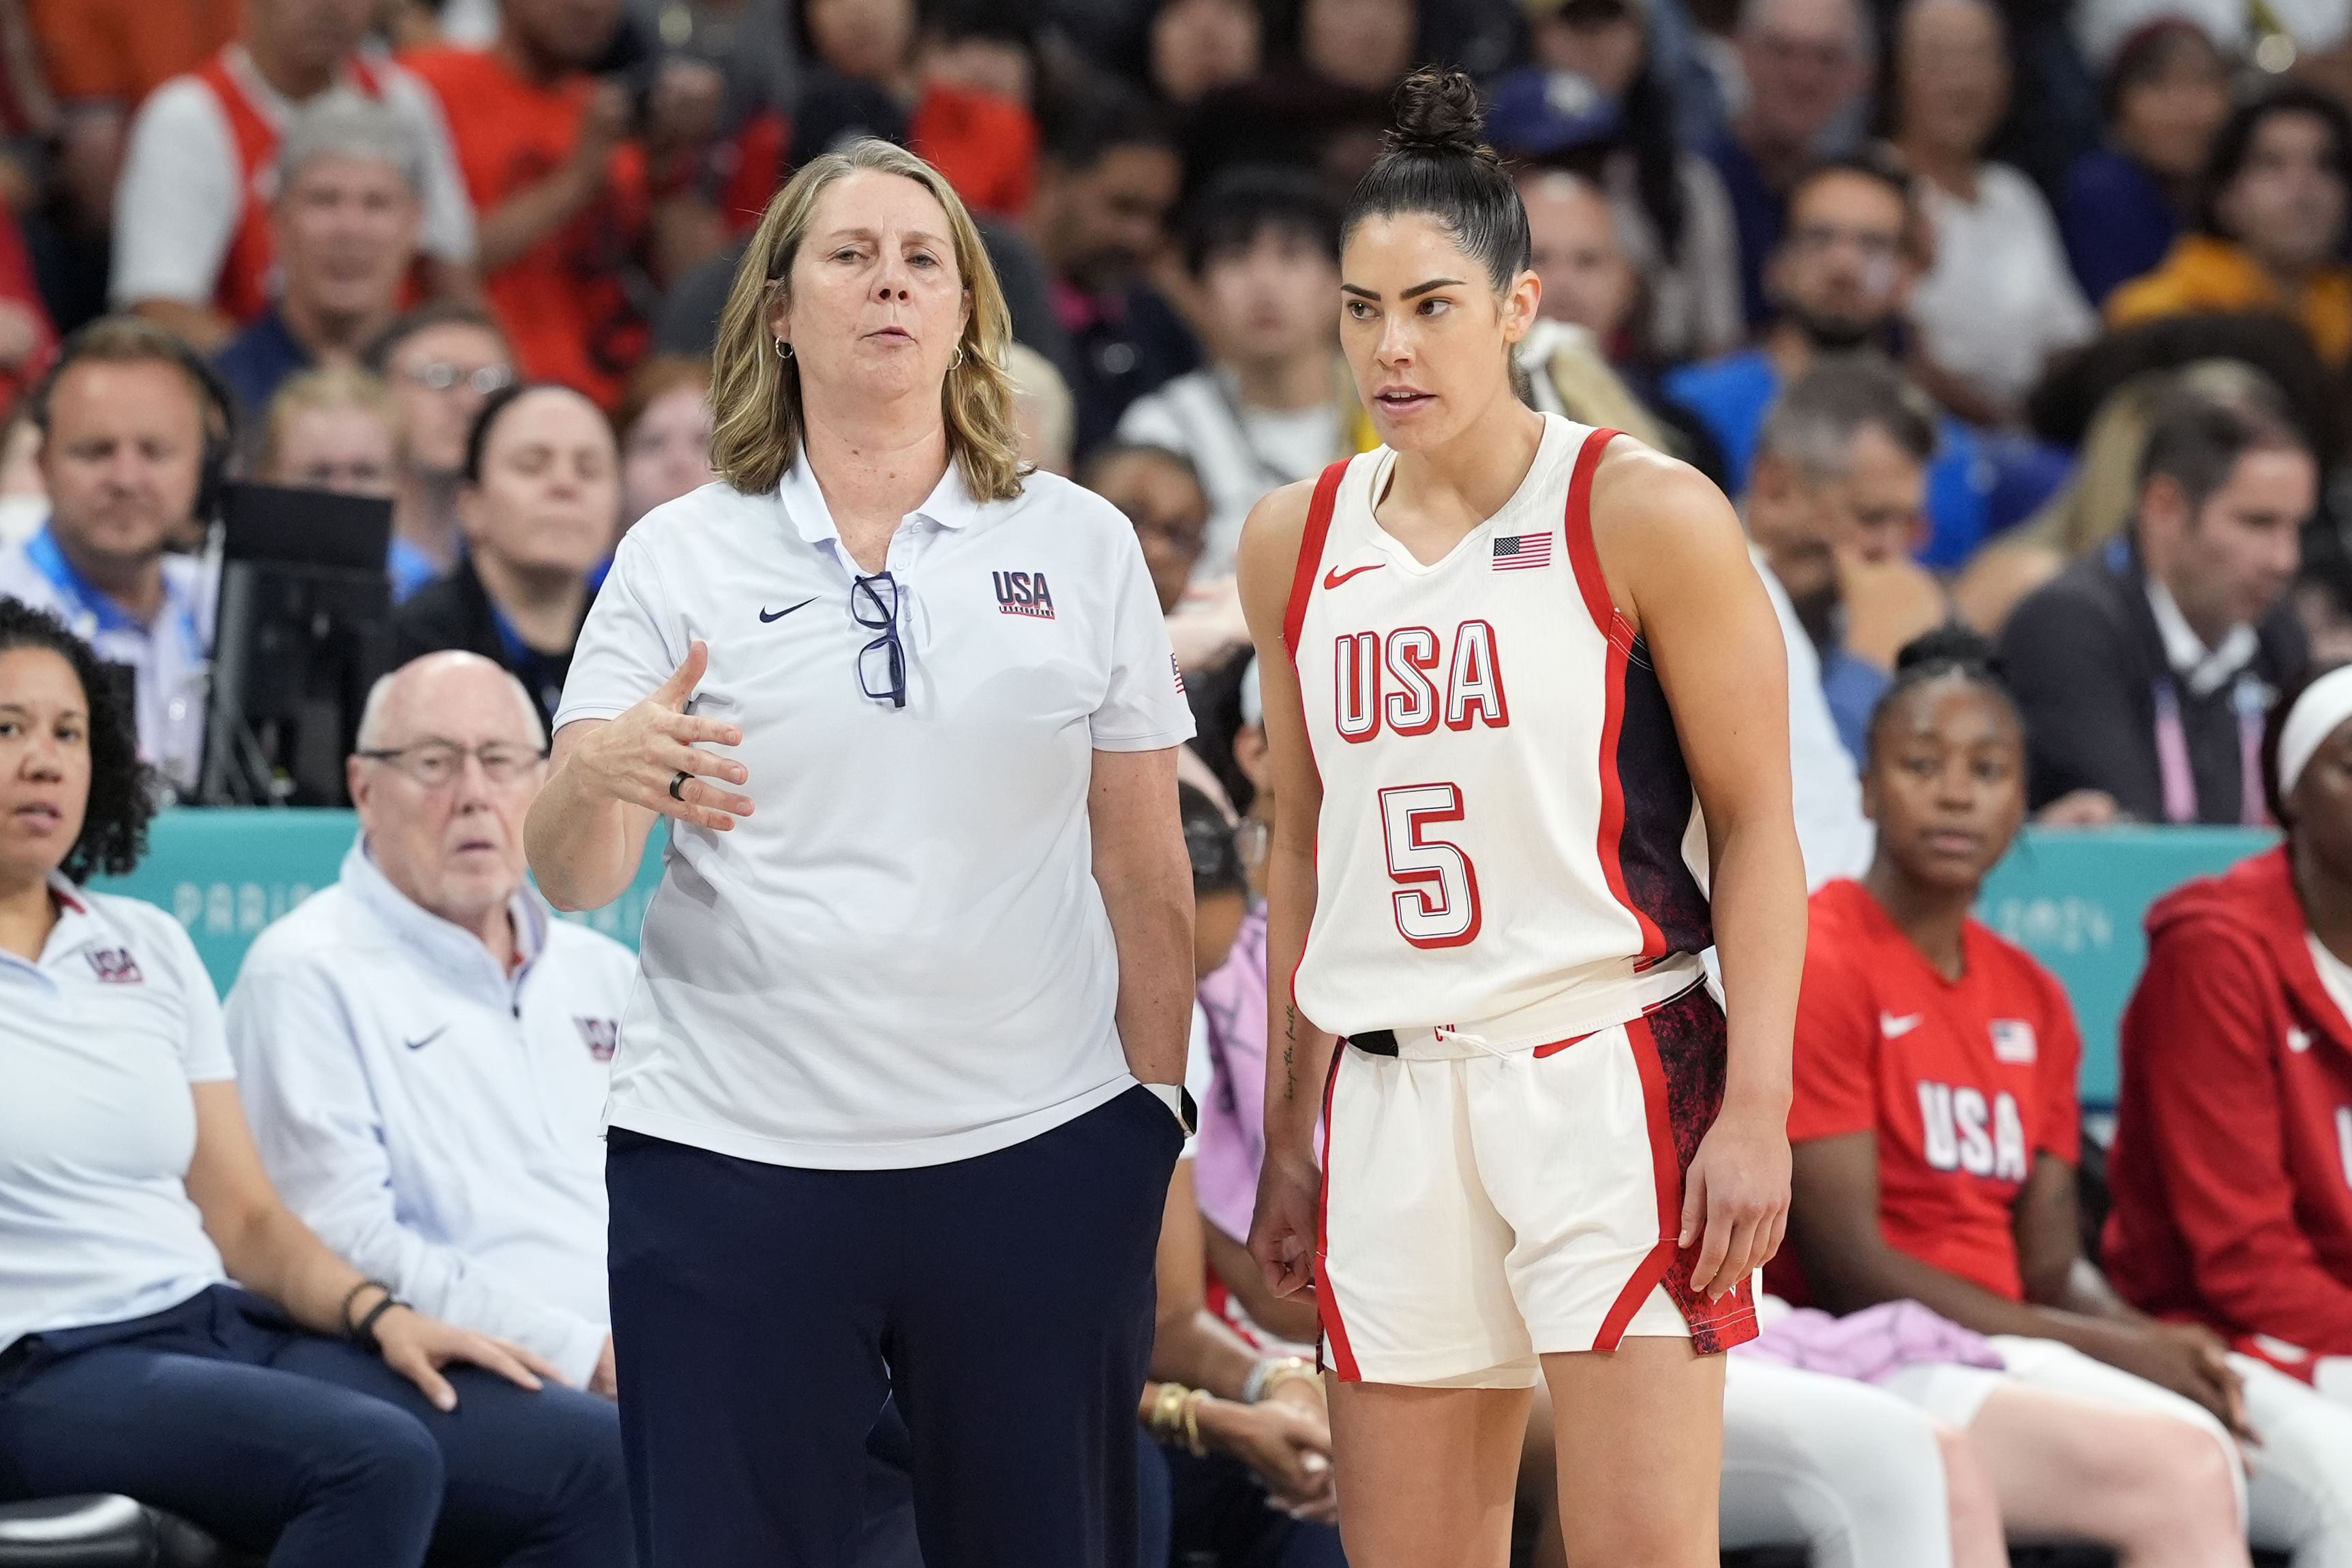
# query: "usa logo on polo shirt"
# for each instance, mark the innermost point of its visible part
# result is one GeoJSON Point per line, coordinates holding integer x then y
{"type": "Point", "coordinates": [1023, 594]}
{"type": "Point", "coordinates": [115, 966]}
{"type": "Point", "coordinates": [603, 1037]}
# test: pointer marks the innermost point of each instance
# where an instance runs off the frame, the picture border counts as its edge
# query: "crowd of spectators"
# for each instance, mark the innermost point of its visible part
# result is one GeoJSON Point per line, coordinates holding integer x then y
{"type": "Point", "coordinates": [2033, 320]}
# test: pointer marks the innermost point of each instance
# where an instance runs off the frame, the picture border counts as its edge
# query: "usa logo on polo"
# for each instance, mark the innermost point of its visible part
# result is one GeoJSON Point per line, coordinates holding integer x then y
{"type": "Point", "coordinates": [602, 1036]}
{"type": "Point", "coordinates": [115, 966]}
{"type": "Point", "coordinates": [1024, 593]}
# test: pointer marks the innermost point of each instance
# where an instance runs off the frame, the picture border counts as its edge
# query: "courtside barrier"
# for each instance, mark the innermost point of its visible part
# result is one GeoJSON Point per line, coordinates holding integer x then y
{"type": "Point", "coordinates": [2072, 898]}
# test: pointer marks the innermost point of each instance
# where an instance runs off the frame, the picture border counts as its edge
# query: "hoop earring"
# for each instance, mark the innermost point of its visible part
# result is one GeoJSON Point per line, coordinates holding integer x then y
{"type": "Point", "coordinates": [783, 349]}
{"type": "Point", "coordinates": [957, 362]}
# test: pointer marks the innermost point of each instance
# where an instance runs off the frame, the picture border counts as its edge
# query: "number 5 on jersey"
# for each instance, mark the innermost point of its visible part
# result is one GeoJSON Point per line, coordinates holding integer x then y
{"type": "Point", "coordinates": [1438, 895]}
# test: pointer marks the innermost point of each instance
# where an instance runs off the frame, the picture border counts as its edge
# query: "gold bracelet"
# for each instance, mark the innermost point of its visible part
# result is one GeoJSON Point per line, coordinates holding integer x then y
{"type": "Point", "coordinates": [1168, 1410]}
{"type": "Point", "coordinates": [1267, 1376]}
{"type": "Point", "coordinates": [1192, 1402]}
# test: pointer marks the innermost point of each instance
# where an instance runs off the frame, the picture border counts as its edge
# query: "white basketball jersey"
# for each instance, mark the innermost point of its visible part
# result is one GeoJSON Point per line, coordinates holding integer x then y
{"type": "Point", "coordinates": [1506, 847]}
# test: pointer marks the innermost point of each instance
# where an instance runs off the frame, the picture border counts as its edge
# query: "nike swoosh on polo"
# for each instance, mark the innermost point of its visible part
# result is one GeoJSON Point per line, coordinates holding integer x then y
{"type": "Point", "coordinates": [1895, 1028]}
{"type": "Point", "coordinates": [766, 615]}
{"type": "Point", "coordinates": [1334, 577]}
{"type": "Point", "coordinates": [419, 1044]}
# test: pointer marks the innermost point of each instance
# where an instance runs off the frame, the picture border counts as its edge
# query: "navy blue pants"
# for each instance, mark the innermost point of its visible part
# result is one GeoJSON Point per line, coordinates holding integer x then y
{"type": "Point", "coordinates": [1219, 1514]}
{"type": "Point", "coordinates": [762, 1313]}
{"type": "Point", "coordinates": [224, 1412]}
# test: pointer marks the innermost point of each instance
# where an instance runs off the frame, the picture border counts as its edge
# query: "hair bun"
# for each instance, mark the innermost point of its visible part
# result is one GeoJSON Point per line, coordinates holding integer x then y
{"type": "Point", "coordinates": [1952, 643]}
{"type": "Point", "coordinates": [1437, 111]}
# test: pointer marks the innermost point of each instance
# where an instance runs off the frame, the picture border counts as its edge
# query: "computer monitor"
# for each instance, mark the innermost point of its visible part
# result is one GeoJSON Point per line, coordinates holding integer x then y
{"type": "Point", "coordinates": [304, 629]}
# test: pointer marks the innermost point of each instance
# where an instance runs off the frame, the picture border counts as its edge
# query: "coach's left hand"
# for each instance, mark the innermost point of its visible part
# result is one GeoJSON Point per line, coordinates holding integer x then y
{"type": "Point", "coordinates": [1735, 1199]}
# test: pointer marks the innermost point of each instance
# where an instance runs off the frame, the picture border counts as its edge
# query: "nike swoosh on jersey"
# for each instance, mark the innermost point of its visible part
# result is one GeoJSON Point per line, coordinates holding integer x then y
{"type": "Point", "coordinates": [419, 1044]}
{"type": "Point", "coordinates": [1334, 577]}
{"type": "Point", "coordinates": [766, 616]}
{"type": "Point", "coordinates": [1895, 1028]}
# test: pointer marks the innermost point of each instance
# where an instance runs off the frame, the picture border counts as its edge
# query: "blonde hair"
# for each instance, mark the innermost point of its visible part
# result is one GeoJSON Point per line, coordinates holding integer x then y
{"type": "Point", "coordinates": [757, 394]}
{"type": "Point", "coordinates": [334, 386]}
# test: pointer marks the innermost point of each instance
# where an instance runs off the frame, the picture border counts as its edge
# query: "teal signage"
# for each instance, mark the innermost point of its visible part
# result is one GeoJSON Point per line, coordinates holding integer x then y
{"type": "Point", "coordinates": [2073, 898]}
{"type": "Point", "coordinates": [226, 873]}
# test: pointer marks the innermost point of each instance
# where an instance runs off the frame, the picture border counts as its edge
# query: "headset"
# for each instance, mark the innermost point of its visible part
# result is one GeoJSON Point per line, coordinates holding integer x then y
{"type": "Point", "coordinates": [129, 338]}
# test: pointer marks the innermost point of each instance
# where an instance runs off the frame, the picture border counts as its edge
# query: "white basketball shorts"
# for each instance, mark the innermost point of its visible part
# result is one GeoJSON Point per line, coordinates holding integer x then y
{"type": "Point", "coordinates": [1482, 1211]}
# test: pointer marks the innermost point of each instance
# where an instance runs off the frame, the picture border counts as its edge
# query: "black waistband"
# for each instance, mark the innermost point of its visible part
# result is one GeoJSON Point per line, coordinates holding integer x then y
{"type": "Point", "coordinates": [1377, 1043]}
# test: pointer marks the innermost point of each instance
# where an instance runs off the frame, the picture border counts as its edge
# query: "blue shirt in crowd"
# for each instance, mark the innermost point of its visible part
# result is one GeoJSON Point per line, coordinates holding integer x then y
{"type": "Point", "coordinates": [1852, 687]}
{"type": "Point", "coordinates": [1730, 395]}
{"type": "Point", "coordinates": [259, 360]}
{"type": "Point", "coordinates": [2115, 221]}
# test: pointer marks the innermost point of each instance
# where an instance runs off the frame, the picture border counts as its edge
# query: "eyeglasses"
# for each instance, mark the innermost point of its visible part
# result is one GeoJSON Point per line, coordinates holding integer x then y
{"type": "Point", "coordinates": [440, 375]}
{"type": "Point", "coordinates": [436, 765]}
{"type": "Point", "coordinates": [877, 613]}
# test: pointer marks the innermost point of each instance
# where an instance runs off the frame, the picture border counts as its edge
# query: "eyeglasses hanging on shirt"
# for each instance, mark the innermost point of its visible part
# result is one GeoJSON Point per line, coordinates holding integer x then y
{"type": "Point", "coordinates": [2249, 702]}
{"type": "Point", "coordinates": [877, 610]}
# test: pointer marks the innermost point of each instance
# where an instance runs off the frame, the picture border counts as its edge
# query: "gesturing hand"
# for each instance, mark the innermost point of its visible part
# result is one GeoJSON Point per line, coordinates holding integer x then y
{"type": "Point", "coordinates": [636, 756]}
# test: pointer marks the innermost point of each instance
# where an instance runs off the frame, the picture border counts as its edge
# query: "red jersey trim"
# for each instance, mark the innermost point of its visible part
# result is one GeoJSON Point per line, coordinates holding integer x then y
{"type": "Point", "coordinates": [1585, 559]}
{"type": "Point", "coordinates": [1310, 553]}
{"type": "Point", "coordinates": [1609, 839]}
{"type": "Point", "coordinates": [1666, 1175]}
{"type": "Point", "coordinates": [1327, 1303]}
{"type": "Point", "coordinates": [1583, 555]}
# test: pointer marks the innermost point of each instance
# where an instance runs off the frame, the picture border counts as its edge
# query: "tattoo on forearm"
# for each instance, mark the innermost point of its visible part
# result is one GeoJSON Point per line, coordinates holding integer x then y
{"type": "Point", "coordinates": [1289, 1050]}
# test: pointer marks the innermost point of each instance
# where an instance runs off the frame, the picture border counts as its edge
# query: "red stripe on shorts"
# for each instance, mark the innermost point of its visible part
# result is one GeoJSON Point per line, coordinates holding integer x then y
{"type": "Point", "coordinates": [1326, 1303]}
{"type": "Point", "coordinates": [1667, 1175]}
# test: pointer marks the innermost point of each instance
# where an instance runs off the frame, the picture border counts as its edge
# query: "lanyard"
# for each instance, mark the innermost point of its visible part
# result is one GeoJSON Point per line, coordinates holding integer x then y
{"type": "Point", "coordinates": [2172, 751]}
{"type": "Point", "coordinates": [532, 668]}
{"type": "Point", "coordinates": [91, 612]}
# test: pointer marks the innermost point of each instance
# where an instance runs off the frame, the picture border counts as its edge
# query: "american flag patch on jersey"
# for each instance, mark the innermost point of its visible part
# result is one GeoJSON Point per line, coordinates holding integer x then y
{"type": "Point", "coordinates": [1178, 670]}
{"type": "Point", "coordinates": [1523, 551]}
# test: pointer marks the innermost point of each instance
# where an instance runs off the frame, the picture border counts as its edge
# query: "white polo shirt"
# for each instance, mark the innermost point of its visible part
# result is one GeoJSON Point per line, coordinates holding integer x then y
{"type": "Point", "coordinates": [901, 957]}
{"type": "Point", "coordinates": [170, 656]}
{"type": "Point", "coordinates": [103, 1037]}
{"type": "Point", "coordinates": [435, 1120]}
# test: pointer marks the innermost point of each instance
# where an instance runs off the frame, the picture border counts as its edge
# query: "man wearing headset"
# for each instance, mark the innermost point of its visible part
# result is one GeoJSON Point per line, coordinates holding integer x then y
{"type": "Point", "coordinates": [131, 437]}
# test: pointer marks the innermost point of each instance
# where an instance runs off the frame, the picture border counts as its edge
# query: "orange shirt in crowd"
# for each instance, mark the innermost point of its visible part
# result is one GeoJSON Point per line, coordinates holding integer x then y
{"type": "Point", "coordinates": [1963, 1081]}
{"type": "Point", "coordinates": [985, 145]}
{"type": "Point", "coordinates": [2203, 273]}
{"type": "Point", "coordinates": [124, 49]}
{"type": "Point", "coordinates": [564, 301]}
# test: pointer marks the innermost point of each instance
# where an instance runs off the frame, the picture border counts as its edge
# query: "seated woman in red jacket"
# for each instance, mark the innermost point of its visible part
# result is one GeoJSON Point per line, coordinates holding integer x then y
{"type": "Point", "coordinates": [1933, 1129]}
{"type": "Point", "coordinates": [2233, 1164]}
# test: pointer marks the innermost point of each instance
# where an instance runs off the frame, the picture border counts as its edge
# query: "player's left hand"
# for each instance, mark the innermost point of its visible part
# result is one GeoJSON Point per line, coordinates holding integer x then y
{"type": "Point", "coordinates": [1735, 1200]}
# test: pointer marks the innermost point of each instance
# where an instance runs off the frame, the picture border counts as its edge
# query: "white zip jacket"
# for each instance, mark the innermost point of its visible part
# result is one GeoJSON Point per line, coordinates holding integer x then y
{"type": "Point", "coordinates": [436, 1122]}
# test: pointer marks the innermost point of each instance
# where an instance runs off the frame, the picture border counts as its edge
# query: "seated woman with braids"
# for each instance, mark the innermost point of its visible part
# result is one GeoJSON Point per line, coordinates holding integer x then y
{"type": "Point", "coordinates": [1935, 1132]}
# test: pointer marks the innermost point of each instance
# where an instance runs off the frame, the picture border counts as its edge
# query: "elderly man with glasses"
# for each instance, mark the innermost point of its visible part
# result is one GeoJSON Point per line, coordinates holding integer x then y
{"type": "Point", "coordinates": [423, 1051]}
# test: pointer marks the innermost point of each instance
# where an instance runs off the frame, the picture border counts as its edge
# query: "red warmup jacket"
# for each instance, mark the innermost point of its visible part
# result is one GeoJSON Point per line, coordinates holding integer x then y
{"type": "Point", "coordinates": [2231, 1170]}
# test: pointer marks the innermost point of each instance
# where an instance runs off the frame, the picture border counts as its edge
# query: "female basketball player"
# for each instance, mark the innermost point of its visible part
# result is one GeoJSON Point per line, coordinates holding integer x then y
{"type": "Point", "coordinates": [1503, 657]}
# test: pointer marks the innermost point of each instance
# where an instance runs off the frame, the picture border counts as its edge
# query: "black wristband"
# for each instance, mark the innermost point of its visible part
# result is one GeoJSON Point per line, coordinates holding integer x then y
{"type": "Point", "coordinates": [343, 1312]}
{"type": "Point", "coordinates": [363, 1336]}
